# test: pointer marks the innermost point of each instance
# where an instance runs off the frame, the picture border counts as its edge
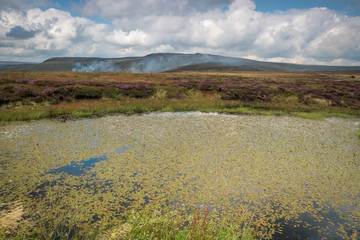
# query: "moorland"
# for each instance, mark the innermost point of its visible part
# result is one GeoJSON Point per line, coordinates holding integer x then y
{"type": "Point", "coordinates": [47, 94]}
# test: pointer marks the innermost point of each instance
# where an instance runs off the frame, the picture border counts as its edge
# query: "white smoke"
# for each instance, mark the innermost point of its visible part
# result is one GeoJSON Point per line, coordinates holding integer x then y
{"type": "Point", "coordinates": [161, 62]}
{"type": "Point", "coordinates": [96, 66]}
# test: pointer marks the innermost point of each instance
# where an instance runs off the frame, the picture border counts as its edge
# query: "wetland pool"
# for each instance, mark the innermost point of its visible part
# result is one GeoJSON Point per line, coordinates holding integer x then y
{"type": "Point", "coordinates": [285, 177]}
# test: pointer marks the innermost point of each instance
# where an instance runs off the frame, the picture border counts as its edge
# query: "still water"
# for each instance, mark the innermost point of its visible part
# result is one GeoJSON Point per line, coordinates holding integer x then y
{"type": "Point", "coordinates": [300, 177]}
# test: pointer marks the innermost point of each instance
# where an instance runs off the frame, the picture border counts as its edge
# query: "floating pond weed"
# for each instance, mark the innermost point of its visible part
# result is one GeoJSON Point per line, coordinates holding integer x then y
{"type": "Point", "coordinates": [182, 175]}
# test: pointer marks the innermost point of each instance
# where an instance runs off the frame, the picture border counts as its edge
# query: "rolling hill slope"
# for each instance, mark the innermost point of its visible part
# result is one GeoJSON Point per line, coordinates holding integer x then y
{"type": "Point", "coordinates": [162, 62]}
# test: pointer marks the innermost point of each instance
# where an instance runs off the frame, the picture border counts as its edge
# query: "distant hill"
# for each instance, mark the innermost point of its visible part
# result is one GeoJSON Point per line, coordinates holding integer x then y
{"type": "Point", "coordinates": [9, 65]}
{"type": "Point", "coordinates": [165, 62]}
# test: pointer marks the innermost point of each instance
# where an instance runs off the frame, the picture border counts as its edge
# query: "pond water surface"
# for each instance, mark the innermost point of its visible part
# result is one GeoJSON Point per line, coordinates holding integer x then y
{"type": "Point", "coordinates": [291, 174]}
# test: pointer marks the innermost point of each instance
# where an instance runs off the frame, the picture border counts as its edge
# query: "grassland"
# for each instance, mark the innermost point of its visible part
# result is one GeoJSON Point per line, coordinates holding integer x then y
{"type": "Point", "coordinates": [37, 95]}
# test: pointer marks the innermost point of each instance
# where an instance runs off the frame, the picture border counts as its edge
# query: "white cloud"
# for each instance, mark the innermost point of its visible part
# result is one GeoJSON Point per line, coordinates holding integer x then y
{"type": "Point", "coordinates": [316, 35]}
{"type": "Point", "coordinates": [339, 41]}
{"type": "Point", "coordinates": [54, 32]}
{"type": "Point", "coordinates": [136, 37]}
{"type": "Point", "coordinates": [162, 49]}
{"type": "Point", "coordinates": [129, 8]}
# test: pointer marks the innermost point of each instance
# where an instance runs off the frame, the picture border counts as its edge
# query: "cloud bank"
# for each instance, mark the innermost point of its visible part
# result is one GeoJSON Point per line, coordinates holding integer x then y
{"type": "Point", "coordinates": [139, 27]}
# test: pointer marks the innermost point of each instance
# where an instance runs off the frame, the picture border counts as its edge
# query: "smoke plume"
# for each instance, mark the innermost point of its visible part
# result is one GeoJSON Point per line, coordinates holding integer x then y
{"type": "Point", "coordinates": [96, 66]}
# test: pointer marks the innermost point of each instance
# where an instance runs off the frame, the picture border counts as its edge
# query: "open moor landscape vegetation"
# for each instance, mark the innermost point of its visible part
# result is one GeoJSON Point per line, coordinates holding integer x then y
{"type": "Point", "coordinates": [34, 95]}
{"type": "Point", "coordinates": [185, 155]}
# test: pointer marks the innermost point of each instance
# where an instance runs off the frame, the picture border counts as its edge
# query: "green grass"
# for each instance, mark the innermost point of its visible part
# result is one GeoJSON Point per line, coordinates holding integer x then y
{"type": "Point", "coordinates": [172, 225]}
{"type": "Point", "coordinates": [24, 114]}
{"type": "Point", "coordinates": [322, 115]}
{"type": "Point", "coordinates": [196, 226]}
{"type": "Point", "coordinates": [89, 108]}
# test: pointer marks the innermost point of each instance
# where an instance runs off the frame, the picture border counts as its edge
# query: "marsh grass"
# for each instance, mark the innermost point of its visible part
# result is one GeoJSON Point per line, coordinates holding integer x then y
{"type": "Point", "coordinates": [24, 114]}
{"type": "Point", "coordinates": [89, 108]}
{"type": "Point", "coordinates": [199, 225]}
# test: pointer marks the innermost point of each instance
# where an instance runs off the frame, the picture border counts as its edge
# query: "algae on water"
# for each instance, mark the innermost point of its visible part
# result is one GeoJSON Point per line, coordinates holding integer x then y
{"type": "Point", "coordinates": [265, 173]}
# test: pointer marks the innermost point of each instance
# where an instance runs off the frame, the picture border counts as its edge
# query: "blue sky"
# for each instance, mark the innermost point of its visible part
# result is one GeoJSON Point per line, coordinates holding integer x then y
{"type": "Point", "coordinates": [302, 31]}
{"type": "Point", "coordinates": [349, 7]}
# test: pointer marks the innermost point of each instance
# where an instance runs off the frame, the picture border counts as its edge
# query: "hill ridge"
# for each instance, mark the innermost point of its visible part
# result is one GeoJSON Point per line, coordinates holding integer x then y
{"type": "Point", "coordinates": [167, 62]}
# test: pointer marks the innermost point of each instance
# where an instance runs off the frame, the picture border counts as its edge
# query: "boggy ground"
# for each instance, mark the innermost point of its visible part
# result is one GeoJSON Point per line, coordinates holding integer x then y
{"type": "Point", "coordinates": [180, 176]}
{"type": "Point", "coordinates": [35, 95]}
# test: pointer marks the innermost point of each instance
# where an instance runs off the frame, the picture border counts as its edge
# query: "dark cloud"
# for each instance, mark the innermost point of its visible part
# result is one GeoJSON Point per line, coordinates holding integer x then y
{"type": "Point", "coordinates": [19, 32]}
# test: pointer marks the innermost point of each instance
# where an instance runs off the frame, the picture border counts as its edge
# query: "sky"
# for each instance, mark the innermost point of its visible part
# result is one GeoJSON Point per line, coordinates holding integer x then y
{"type": "Point", "coordinates": [298, 31]}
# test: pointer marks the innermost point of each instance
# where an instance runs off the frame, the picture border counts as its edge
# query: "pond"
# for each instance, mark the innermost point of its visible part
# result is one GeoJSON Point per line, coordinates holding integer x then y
{"type": "Point", "coordinates": [288, 177]}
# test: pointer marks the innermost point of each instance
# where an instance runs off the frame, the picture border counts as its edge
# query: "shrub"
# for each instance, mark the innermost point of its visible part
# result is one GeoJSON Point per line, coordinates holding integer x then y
{"type": "Point", "coordinates": [124, 86]}
{"type": "Point", "coordinates": [223, 89]}
{"type": "Point", "coordinates": [4, 99]}
{"type": "Point", "coordinates": [87, 92]}
{"type": "Point", "coordinates": [185, 84]}
{"type": "Point", "coordinates": [118, 96]}
{"type": "Point", "coordinates": [25, 81]}
{"type": "Point", "coordinates": [206, 86]}
{"type": "Point", "coordinates": [230, 95]}
{"type": "Point", "coordinates": [18, 90]}
{"type": "Point", "coordinates": [48, 91]}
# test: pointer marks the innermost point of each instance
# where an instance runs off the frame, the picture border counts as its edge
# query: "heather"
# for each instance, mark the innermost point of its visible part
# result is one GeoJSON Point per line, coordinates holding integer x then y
{"type": "Point", "coordinates": [33, 95]}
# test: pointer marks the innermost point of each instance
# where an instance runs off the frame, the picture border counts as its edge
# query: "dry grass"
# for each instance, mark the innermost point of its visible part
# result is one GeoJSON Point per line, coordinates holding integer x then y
{"type": "Point", "coordinates": [11, 215]}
